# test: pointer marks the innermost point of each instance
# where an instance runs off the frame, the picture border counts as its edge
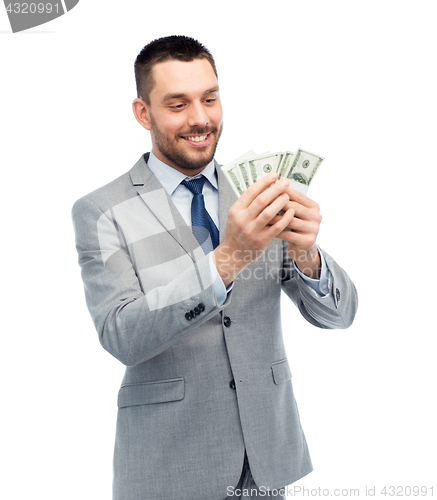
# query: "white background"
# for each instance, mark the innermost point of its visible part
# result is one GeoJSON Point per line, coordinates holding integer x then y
{"type": "Point", "coordinates": [352, 81]}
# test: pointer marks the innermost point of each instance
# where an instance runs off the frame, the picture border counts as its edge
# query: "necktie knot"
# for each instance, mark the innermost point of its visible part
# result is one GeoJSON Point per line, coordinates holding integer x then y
{"type": "Point", "coordinates": [195, 185]}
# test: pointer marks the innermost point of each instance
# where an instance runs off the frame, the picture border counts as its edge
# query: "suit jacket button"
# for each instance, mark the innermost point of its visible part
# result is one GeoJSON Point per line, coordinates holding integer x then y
{"type": "Point", "coordinates": [197, 311]}
{"type": "Point", "coordinates": [201, 307]}
{"type": "Point", "coordinates": [188, 316]}
{"type": "Point", "coordinates": [232, 384]}
{"type": "Point", "coordinates": [227, 321]}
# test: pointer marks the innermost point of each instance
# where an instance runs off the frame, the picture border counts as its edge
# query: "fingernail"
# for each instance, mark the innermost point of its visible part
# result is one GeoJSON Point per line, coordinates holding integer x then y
{"type": "Point", "coordinates": [285, 183]}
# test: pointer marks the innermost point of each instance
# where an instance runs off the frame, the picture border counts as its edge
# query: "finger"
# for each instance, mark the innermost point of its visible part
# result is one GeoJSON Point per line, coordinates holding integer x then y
{"type": "Point", "coordinates": [305, 213]}
{"type": "Point", "coordinates": [269, 212]}
{"type": "Point", "coordinates": [298, 225]}
{"type": "Point", "coordinates": [301, 199]}
{"type": "Point", "coordinates": [280, 225]}
{"type": "Point", "coordinates": [267, 197]}
{"type": "Point", "coordinates": [256, 189]}
{"type": "Point", "coordinates": [300, 240]}
{"type": "Point", "coordinates": [301, 212]}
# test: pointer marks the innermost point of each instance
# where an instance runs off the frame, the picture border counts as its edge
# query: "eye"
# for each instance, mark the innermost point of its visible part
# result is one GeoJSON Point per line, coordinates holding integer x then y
{"type": "Point", "coordinates": [211, 100]}
{"type": "Point", "coordinates": [177, 107]}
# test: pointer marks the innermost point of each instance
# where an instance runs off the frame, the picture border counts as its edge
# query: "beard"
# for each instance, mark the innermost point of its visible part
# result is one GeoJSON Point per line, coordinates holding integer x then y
{"type": "Point", "coordinates": [185, 157]}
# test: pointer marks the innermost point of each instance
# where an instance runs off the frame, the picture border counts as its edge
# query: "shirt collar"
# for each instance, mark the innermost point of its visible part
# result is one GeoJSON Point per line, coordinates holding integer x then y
{"type": "Point", "coordinates": [170, 178]}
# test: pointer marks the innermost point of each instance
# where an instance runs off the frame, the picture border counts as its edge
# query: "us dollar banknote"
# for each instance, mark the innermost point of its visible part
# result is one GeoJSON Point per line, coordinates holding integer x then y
{"type": "Point", "coordinates": [302, 170]}
{"type": "Point", "coordinates": [234, 174]}
{"type": "Point", "coordinates": [299, 168]}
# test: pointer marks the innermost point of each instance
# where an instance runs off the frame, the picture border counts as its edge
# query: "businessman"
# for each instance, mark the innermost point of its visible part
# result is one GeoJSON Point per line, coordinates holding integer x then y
{"type": "Point", "coordinates": [183, 282]}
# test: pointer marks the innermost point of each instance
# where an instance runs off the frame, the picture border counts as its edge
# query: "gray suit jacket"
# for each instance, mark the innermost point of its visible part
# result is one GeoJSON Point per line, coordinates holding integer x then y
{"type": "Point", "coordinates": [182, 426]}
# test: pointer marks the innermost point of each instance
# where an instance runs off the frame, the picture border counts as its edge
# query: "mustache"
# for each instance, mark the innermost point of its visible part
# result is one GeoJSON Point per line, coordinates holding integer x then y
{"type": "Point", "coordinates": [198, 131]}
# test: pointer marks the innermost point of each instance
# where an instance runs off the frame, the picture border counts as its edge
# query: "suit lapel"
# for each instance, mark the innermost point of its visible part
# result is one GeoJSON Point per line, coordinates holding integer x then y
{"type": "Point", "coordinates": [160, 204]}
{"type": "Point", "coordinates": [226, 199]}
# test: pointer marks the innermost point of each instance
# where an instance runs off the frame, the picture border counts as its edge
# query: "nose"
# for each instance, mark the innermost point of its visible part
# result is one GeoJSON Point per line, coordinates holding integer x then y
{"type": "Point", "coordinates": [198, 116]}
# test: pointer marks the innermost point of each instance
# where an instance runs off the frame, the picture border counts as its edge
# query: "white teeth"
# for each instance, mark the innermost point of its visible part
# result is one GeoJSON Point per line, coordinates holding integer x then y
{"type": "Point", "coordinates": [197, 138]}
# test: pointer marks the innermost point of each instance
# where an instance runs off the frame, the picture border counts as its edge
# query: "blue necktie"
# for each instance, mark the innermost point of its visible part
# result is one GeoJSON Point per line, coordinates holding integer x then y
{"type": "Point", "coordinates": [200, 218]}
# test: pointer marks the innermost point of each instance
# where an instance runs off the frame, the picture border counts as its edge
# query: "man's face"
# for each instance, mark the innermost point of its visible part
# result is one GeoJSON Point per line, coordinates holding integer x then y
{"type": "Point", "coordinates": [185, 114]}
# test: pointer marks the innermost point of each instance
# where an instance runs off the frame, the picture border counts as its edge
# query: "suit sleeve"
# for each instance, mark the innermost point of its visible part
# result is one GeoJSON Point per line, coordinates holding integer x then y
{"type": "Point", "coordinates": [336, 309]}
{"type": "Point", "coordinates": [134, 326]}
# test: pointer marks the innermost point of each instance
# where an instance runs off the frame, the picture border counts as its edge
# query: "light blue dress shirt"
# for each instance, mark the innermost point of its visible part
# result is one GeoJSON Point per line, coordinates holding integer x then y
{"type": "Point", "coordinates": [171, 179]}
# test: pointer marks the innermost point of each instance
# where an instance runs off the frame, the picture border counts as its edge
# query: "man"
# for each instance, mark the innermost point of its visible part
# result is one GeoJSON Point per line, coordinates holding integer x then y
{"type": "Point", "coordinates": [183, 283]}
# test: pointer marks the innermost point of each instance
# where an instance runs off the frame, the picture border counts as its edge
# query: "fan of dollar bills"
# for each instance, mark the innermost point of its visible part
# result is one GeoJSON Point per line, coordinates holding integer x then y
{"type": "Point", "coordinates": [299, 168]}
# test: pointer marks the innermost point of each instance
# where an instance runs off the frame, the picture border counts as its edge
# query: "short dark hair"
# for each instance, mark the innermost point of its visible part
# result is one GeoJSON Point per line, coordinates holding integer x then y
{"type": "Point", "coordinates": [175, 47]}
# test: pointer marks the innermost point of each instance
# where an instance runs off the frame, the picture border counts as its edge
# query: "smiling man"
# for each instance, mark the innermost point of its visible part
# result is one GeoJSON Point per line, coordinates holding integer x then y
{"type": "Point", "coordinates": [183, 282]}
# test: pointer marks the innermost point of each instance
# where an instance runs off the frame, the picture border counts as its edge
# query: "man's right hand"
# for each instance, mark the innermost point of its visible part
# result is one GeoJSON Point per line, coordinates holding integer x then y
{"type": "Point", "coordinates": [248, 232]}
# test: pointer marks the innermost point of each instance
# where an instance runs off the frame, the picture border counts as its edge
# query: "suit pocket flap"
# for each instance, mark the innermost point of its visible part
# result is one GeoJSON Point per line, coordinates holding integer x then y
{"type": "Point", "coordinates": [146, 393]}
{"type": "Point", "coordinates": [281, 371]}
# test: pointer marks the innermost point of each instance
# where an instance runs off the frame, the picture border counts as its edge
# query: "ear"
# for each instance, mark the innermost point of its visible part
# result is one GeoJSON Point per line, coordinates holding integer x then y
{"type": "Point", "coordinates": [141, 112]}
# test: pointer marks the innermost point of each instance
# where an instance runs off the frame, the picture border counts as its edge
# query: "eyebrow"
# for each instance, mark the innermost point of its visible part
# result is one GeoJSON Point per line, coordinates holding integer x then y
{"type": "Point", "coordinates": [181, 95]}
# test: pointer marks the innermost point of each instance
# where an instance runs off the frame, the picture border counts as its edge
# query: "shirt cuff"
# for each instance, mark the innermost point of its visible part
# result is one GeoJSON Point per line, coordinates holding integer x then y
{"type": "Point", "coordinates": [221, 292]}
{"type": "Point", "coordinates": [321, 286]}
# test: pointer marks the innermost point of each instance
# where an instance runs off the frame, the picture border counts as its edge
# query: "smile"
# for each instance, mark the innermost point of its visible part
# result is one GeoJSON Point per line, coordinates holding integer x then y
{"type": "Point", "coordinates": [198, 140]}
